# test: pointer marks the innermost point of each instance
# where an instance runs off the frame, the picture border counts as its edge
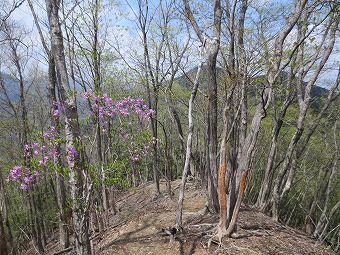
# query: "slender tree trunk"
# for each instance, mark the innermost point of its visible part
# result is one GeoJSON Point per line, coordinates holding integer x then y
{"type": "Point", "coordinates": [152, 93]}
{"type": "Point", "coordinates": [79, 195]}
{"type": "Point", "coordinates": [308, 223]}
{"type": "Point", "coordinates": [3, 243]}
{"type": "Point", "coordinates": [280, 187]}
{"type": "Point", "coordinates": [277, 121]}
{"type": "Point", "coordinates": [233, 220]}
{"type": "Point", "coordinates": [60, 182]}
{"type": "Point", "coordinates": [222, 196]}
{"type": "Point", "coordinates": [179, 212]}
{"type": "Point", "coordinates": [174, 112]}
{"type": "Point", "coordinates": [97, 84]}
{"type": "Point", "coordinates": [35, 228]}
{"type": "Point", "coordinates": [167, 167]}
{"type": "Point", "coordinates": [323, 222]}
{"type": "Point", "coordinates": [5, 204]}
{"type": "Point", "coordinates": [241, 117]}
{"type": "Point", "coordinates": [212, 133]}
{"type": "Point", "coordinates": [211, 46]}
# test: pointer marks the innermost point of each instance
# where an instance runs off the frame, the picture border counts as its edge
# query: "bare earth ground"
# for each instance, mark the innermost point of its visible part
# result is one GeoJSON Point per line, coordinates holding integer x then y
{"type": "Point", "coordinates": [137, 229]}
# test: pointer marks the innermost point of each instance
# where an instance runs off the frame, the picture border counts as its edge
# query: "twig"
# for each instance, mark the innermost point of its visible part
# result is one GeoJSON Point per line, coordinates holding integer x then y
{"type": "Point", "coordinates": [62, 251]}
{"type": "Point", "coordinates": [203, 224]}
{"type": "Point", "coordinates": [32, 241]}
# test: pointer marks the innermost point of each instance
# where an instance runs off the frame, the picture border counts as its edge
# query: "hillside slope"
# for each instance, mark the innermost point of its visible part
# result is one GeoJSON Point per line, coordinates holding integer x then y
{"type": "Point", "coordinates": [137, 229]}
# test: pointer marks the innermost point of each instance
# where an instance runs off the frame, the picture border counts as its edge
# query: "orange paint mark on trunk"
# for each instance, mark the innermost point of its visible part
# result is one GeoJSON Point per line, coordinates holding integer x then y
{"type": "Point", "coordinates": [243, 182]}
{"type": "Point", "coordinates": [221, 186]}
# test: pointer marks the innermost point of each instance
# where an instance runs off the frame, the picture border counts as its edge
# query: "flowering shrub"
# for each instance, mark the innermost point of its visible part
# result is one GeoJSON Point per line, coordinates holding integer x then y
{"type": "Point", "coordinates": [38, 154]}
{"type": "Point", "coordinates": [126, 124]}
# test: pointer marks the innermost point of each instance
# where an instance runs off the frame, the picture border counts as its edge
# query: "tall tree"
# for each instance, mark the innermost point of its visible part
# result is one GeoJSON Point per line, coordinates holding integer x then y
{"type": "Point", "coordinates": [78, 174]}
{"type": "Point", "coordinates": [246, 140]}
{"type": "Point", "coordinates": [285, 175]}
{"type": "Point", "coordinates": [14, 36]}
{"type": "Point", "coordinates": [186, 167]}
{"type": "Point", "coordinates": [3, 243]}
{"type": "Point", "coordinates": [211, 46]}
{"type": "Point", "coordinates": [55, 122]}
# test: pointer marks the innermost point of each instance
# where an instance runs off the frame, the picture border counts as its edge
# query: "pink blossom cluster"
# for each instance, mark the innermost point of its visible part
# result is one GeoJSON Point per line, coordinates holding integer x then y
{"type": "Point", "coordinates": [105, 106]}
{"type": "Point", "coordinates": [72, 153]}
{"type": "Point", "coordinates": [23, 175]}
{"type": "Point", "coordinates": [127, 121]}
{"type": "Point", "coordinates": [58, 111]}
{"type": "Point", "coordinates": [38, 154]}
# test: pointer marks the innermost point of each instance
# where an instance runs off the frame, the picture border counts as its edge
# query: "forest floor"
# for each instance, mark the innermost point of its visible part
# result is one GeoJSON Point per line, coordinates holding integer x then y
{"type": "Point", "coordinates": [137, 229]}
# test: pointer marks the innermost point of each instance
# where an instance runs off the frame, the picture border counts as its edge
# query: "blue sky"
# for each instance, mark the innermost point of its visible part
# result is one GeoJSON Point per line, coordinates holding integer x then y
{"type": "Point", "coordinates": [23, 15]}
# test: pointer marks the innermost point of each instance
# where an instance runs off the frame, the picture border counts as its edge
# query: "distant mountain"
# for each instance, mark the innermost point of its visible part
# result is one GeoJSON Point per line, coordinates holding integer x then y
{"type": "Point", "coordinates": [10, 90]}
{"type": "Point", "coordinates": [184, 80]}
{"type": "Point", "coordinates": [9, 86]}
{"type": "Point", "coordinates": [319, 92]}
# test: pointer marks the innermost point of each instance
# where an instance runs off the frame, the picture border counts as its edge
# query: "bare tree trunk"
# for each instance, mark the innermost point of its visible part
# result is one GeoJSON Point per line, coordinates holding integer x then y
{"type": "Point", "coordinates": [35, 227]}
{"type": "Point", "coordinates": [60, 183]}
{"type": "Point", "coordinates": [308, 222]}
{"type": "Point", "coordinates": [179, 211]}
{"type": "Point", "coordinates": [174, 112]}
{"type": "Point", "coordinates": [97, 84]}
{"type": "Point", "coordinates": [167, 166]}
{"type": "Point", "coordinates": [242, 185]}
{"type": "Point", "coordinates": [241, 117]}
{"type": "Point", "coordinates": [152, 93]}
{"type": "Point", "coordinates": [277, 121]}
{"type": "Point", "coordinates": [280, 187]}
{"type": "Point", "coordinates": [4, 215]}
{"type": "Point", "coordinates": [247, 142]}
{"type": "Point", "coordinates": [35, 222]}
{"type": "Point", "coordinates": [3, 243]}
{"type": "Point", "coordinates": [174, 66]}
{"type": "Point", "coordinates": [211, 45]}
{"type": "Point", "coordinates": [222, 196]}
{"type": "Point", "coordinates": [323, 222]}
{"type": "Point", "coordinates": [79, 195]}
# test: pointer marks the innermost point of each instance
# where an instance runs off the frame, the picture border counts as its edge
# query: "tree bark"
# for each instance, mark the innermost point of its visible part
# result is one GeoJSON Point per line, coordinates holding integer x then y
{"type": "Point", "coordinates": [60, 182]}
{"type": "Point", "coordinates": [4, 214]}
{"type": "Point", "coordinates": [152, 93]}
{"type": "Point", "coordinates": [222, 196]}
{"type": "Point", "coordinates": [323, 222]}
{"type": "Point", "coordinates": [79, 195]}
{"type": "Point", "coordinates": [3, 243]}
{"type": "Point", "coordinates": [281, 187]}
{"type": "Point", "coordinates": [179, 211]}
{"type": "Point", "coordinates": [211, 46]}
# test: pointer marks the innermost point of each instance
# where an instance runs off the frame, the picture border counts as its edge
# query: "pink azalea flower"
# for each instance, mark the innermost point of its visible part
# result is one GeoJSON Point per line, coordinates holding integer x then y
{"type": "Point", "coordinates": [56, 113]}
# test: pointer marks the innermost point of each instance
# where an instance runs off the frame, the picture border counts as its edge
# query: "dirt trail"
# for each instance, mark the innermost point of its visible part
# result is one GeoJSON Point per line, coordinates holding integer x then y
{"type": "Point", "coordinates": [137, 229]}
